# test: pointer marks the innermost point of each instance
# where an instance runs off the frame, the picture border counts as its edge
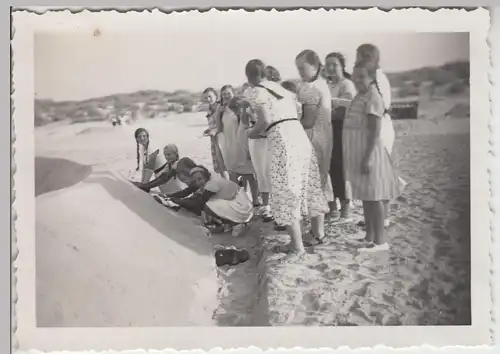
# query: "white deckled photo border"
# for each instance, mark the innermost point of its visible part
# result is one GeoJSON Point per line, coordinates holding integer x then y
{"type": "Point", "coordinates": [29, 337]}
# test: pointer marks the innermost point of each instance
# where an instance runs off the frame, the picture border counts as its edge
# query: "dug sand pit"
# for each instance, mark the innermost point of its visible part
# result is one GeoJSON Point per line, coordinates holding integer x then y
{"type": "Point", "coordinates": [107, 254]}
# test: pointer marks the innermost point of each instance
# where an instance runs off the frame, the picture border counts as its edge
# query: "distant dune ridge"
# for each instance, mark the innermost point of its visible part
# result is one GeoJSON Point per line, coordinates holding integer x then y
{"type": "Point", "coordinates": [430, 82]}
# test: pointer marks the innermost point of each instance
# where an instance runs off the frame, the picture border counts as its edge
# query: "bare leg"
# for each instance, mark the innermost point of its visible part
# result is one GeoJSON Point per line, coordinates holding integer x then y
{"type": "Point", "coordinates": [370, 232]}
{"type": "Point", "coordinates": [296, 235]}
{"type": "Point", "coordinates": [378, 221]}
{"type": "Point", "coordinates": [252, 183]}
{"type": "Point", "coordinates": [386, 209]}
{"type": "Point", "coordinates": [318, 226]}
{"type": "Point", "coordinates": [265, 198]}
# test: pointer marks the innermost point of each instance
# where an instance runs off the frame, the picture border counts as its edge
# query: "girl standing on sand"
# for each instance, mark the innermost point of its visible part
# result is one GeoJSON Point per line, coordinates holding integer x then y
{"type": "Point", "coordinates": [223, 204]}
{"type": "Point", "coordinates": [295, 179]}
{"type": "Point", "coordinates": [166, 178]}
{"type": "Point", "coordinates": [370, 53]}
{"type": "Point", "coordinates": [316, 102]}
{"type": "Point", "coordinates": [236, 154]}
{"type": "Point", "coordinates": [255, 150]}
{"type": "Point", "coordinates": [368, 165]}
{"type": "Point", "coordinates": [216, 139]}
{"type": "Point", "coordinates": [342, 90]}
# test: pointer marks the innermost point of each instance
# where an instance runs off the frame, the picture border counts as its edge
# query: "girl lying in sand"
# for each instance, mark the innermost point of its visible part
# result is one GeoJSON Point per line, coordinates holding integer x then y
{"type": "Point", "coordinates": [223, 205]}
{"type": "Point", "coordinates": [167, 178]}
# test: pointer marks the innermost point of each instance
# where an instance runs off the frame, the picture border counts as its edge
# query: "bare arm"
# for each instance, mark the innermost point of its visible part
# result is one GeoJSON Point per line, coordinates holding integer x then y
{"type": "Point", "coordinates": [263, 121]}
{"type": "Point", "coordinates": [374, 129]}
{"type": "Point", "coordinates": [195, 204]}
{"type": "Point", "coordinates": [183, 193]}
{"type": "Point", "coordinates": [309, 115]}
{"type": "Point", "coordinates": [162, 179]}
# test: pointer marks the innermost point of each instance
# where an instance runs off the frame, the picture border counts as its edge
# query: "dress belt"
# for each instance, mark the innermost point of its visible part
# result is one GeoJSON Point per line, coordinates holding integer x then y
{"type": "Point", "coordinates": [273, 124]}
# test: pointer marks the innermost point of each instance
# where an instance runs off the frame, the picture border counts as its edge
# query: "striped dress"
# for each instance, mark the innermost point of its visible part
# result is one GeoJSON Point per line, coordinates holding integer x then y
{"type": "Point", "coordinates": [382, 181]}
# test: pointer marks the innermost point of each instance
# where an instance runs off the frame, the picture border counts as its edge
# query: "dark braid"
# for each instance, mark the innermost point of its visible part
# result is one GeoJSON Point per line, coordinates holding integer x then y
{"type": "Point", "coordinates": [137, 132]}
{"type": "Point", "coordinates": [138, 156]}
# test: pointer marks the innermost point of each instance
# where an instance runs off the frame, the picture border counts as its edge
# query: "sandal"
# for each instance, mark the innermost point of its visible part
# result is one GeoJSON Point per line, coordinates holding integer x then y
{"type": "Point", "coordinates": [286, 248]}
{"type": "Point", "coordinates": [278, 227]}
{"type": "Point", "coordinates": [315, 241]}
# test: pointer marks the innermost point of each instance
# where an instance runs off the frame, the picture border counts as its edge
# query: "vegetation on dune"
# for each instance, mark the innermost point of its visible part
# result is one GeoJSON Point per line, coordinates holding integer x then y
{"type": "Point", "coordinates": [449, 79]}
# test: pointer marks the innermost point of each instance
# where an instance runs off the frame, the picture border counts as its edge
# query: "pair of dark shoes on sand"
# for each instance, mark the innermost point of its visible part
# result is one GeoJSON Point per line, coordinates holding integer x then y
{"type": "Point", "coordinates": [231, 257]}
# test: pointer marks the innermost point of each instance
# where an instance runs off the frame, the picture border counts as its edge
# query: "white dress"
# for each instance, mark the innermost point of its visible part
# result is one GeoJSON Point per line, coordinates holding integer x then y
{"type": "Point", "coordinates": [295, 178]}
{"type": "Point", "coordinates": [174, 184]}
{"type": "Point", "coordinates": [260, 158]}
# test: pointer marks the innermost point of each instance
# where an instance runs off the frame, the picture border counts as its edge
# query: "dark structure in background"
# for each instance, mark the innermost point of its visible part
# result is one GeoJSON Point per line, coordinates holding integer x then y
{"type": "Point", "coordinates": [404, 109]}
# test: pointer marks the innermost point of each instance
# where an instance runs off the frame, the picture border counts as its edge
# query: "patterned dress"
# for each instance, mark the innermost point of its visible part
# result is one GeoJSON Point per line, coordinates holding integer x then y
{"type": "Point", "coordinates": [295, 180]}
{"type": "Point", "coordinates": [382, 181]}
{"type": "Point", "coordinates": [317, 93]}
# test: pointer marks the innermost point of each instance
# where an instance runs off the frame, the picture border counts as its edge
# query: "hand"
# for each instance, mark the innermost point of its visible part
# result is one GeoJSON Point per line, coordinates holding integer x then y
{"type": "Point", "coordinates": [366, 165]}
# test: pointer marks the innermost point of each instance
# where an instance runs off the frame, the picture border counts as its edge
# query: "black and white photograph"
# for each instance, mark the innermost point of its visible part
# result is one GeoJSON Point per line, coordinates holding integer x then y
{"type": "Point", "coordinates": [257, 169]}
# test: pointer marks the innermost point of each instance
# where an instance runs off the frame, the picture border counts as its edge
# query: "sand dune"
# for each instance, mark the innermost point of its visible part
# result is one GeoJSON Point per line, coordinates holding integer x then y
{"type": "Point", "coordinates": [423, 279]}
{"type": "Point", "coordinates": [108, 255]}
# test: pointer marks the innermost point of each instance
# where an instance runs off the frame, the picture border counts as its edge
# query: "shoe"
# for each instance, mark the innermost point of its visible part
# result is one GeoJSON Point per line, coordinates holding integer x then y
{"type": "Point", "coordinates": [239, 230]}
{"type": "Point", "coordinates": [279, 227]}
{"type": "Point", "coordinates": [265, 213]}
{"type": "Point", "coordinates": [375, 248]}
{"type": "Point", "coordinates": [345, 212]}
{"type": "Point", "coordinates": [231, 257]}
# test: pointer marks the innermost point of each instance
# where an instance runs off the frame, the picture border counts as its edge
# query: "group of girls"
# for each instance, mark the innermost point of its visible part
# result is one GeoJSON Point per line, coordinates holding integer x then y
{"type": "Point", "coordinates": [297, 148]}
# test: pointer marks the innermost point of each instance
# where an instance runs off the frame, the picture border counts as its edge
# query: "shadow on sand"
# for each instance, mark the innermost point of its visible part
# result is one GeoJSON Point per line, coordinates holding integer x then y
{"type": "Point", "coordinates": [52, 174]}
{"type": "Point", "coordinates": [177, 226]}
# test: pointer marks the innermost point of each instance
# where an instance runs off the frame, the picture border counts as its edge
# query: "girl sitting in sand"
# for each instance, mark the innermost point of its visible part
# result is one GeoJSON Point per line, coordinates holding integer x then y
{"type": "Point", "coordinates": [216, 138]}
{"type": "Point", "coordinates": [149, 157]}
{"type": "Point", "coordinates": [368, 166]}
{"type": "Point", "coordinates": [223, 205]}
{"type": "Point", "coordinates": [166, 178]}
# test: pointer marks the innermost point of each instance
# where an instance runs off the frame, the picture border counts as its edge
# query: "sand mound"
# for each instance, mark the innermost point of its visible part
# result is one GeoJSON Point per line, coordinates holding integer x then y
{"type": "Point", "coordinates": [52, 174]}
{"type": "Point", "coordinates": [108, 255]}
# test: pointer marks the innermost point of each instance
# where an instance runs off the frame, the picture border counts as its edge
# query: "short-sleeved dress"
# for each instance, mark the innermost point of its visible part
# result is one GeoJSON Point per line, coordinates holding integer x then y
{"type": "Point", "coordinates": [388, 133]}
{"type": "Point", "coordinates": [295, 179]}
{"type": "Point", "coordinates": [382, 181]}
{"type": "Point", "coordinates": [215, 148]}
{"type": "Point", "coordinates": [258, 149]}
{"type": "Point", "coordinates": [318, 93]}
{"type": "Point", "coordinates": [235, 150]}
{"type": "Point", "coordinates": [230, 202]}
{"type": "Point", "coordinates": [152, 160]}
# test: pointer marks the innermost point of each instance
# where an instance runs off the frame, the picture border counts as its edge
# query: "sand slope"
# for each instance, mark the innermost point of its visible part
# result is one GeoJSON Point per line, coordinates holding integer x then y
{"type": "Point", "coordinates": [108, 255]}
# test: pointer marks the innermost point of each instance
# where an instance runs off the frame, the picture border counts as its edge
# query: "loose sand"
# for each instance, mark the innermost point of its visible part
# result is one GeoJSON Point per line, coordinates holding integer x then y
{"type": "Point", "coordinates": [423, 279]}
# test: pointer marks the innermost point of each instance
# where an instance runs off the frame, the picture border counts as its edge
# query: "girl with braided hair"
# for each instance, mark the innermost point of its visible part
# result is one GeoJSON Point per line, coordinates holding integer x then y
{"type": "Point", "coordinates": [367, 161]}
{"type": "Point", "coordinates": [149, 158]}
{"type": "Point", "coordinates": [370, 55]}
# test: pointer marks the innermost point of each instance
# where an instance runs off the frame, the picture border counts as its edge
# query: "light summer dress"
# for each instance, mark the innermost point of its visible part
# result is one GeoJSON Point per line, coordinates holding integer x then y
{"type": "Point", "coordinates": [295, 180]}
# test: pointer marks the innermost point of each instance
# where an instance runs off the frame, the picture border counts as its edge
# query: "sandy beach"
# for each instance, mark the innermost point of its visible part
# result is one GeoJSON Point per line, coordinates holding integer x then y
{"type": "Point", "coordinates": [424, 279]}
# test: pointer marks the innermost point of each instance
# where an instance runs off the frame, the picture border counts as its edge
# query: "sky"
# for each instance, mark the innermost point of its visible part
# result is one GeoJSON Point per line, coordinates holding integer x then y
{"type": "Point", "coordinates": [77, 66]}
